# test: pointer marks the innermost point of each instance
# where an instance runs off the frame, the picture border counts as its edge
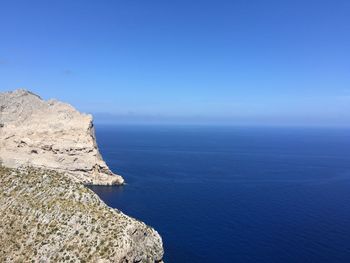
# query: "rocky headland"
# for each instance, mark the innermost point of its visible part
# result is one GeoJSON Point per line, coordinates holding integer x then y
{"type": "Point", "coordinates": [48, 152]}
{"type": "Point", "coordinates": [52, 135]}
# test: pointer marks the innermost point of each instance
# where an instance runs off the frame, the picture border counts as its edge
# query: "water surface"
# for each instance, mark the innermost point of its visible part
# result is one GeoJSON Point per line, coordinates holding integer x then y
{"type": "Point", "coordinates": [233, 194]}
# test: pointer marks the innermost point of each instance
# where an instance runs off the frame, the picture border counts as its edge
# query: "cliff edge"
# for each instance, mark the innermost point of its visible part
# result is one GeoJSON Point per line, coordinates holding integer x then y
{"type": "Point", "coordinates": [52, 135]}
{"type": "Point", "coordinates": [47, 152]}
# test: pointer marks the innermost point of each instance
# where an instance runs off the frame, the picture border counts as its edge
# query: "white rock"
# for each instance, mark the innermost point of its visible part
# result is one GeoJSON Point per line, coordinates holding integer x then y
{"type": "Point", "coordinates": [51, 135]}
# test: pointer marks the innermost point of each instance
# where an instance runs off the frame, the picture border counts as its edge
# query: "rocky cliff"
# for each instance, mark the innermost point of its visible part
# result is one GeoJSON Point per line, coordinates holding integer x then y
{"type": "Point", "coordinates": [47, 217]}
{"type": "Point", "coordinates": [47, 152]}
{"type": "Point", "coordinates": [52, 135]}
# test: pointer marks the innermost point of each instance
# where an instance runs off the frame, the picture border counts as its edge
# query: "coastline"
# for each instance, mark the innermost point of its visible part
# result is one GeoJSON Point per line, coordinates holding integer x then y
{"type": "Point", "coordinates": [48, 155]}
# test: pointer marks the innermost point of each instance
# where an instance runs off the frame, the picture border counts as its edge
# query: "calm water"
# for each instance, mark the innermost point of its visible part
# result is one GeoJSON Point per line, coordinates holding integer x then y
{"type": "Point", "coordinates": [235, 194]}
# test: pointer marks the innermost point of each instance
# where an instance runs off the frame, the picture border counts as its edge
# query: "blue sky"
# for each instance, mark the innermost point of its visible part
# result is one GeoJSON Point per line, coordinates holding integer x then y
{"type": "Point", "coordinates": [232, 62]}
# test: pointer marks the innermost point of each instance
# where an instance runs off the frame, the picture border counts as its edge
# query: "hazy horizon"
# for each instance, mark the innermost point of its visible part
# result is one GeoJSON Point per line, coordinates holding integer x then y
{"type": "Point", "coordinates": [207, 62]}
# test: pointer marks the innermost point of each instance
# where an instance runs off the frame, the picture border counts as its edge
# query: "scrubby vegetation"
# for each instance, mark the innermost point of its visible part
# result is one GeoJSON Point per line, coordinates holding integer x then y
{"type": "Point", "coordinates": [46, 217]}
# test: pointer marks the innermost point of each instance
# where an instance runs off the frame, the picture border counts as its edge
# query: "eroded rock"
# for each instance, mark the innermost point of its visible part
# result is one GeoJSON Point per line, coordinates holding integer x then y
{"type": "Point", "coordinates": [51, 135]}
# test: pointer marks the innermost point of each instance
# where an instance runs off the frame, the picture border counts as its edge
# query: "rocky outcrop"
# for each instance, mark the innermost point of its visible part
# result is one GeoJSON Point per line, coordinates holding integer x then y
{"type": "Point", "coordinates": [52, 135]}
{"type": "Point", "coordinates": [47, 150]}
{"type": "Point", "coordinates": [47, 217]}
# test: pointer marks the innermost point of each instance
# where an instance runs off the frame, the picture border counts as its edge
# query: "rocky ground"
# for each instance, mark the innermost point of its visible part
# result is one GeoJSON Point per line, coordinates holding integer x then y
{"type": "Point", "coordinates": [48, 217]}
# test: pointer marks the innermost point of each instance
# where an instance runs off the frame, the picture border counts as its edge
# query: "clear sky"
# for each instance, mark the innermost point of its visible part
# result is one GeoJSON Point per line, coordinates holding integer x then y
{"type": "Point", "coordinates": [233, 62]}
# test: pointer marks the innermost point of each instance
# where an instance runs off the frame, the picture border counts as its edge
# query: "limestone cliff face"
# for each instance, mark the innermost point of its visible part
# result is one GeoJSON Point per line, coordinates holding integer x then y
{"type": "Point", "coordinates": [47, 150]}
{"type": "Point", "coordinates": [52, 135]}
{"type": "Point", "coordinates": [47, 217]}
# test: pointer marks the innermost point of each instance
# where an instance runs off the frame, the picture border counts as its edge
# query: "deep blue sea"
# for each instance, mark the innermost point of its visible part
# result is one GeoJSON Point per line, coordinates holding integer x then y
{"type": "Point", "coordinates": [235, 194]}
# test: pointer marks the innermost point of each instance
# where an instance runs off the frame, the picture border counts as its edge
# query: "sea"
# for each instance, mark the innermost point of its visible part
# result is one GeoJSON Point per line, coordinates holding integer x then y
{"type": "Point", "coordinates": [235, 194]}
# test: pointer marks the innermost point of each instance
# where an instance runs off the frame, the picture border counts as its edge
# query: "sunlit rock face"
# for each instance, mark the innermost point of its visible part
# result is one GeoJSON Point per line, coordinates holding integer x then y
{"type": "Point", "coordinates": [51, 135]}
